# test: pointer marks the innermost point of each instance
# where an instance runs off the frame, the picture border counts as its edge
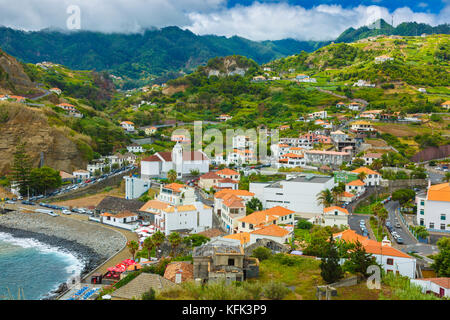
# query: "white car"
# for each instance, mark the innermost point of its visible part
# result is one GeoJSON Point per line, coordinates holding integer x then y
{"type": "Point", "coordinates": [65, 211]}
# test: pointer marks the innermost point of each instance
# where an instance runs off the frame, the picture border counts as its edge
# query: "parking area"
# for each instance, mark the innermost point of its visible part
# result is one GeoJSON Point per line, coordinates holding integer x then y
{"type": "Point", "coordinates": [354, 222]}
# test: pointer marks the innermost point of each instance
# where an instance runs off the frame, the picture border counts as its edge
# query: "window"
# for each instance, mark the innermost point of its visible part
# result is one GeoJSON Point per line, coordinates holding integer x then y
{"type": "Point", "coordinates": [443, 216]}
{"type": "Point", "coordinates": [442, 226]}
{"type": "Point", "coordinates": [431, 225]}
{"type": "Point", "coordinates": [243, 224]}
{"type": "Point", "coordinates": [231, 262]}
{"type": "Point", "coordinates": [390, 261]}
{"type": "Point", "coordinates": [421, 222]}
{"type": "Point", "coordinates": [422, 202]}
{"type": "Point", "coordinates": [251, 226]}
{"type": "Point", "coordinates": [421, 211]}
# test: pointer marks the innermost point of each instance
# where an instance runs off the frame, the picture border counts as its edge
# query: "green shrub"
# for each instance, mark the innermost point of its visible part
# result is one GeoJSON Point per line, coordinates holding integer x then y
{"type": "Point", "coordinates": [275, 290]}
{"type": "Point", "coordinates": [262, 253]}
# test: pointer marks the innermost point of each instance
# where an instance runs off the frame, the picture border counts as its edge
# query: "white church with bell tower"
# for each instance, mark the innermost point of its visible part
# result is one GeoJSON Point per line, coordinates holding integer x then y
{"type": "Point", "coordinates": [183, 162]}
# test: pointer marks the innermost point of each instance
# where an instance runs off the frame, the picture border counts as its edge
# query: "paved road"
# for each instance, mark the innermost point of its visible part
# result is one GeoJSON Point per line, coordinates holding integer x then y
{"type": "Point", "coordinates": [354, 219]}
{"type": "Point", "coordinates": [392, 208]}
{"type": "Point", "coordinates": [435, 176]}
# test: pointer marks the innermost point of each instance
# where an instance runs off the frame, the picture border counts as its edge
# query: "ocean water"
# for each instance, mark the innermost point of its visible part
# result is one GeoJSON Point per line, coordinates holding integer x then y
{"type": "Point", "coordinates": [33, 267]}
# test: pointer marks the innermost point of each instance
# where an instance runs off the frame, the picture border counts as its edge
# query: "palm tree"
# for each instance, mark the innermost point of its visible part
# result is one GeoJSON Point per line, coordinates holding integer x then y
{"type": "Point", "coordinates": [325, 198]}
{"type": "Point", "coordinates": [336, 193]}
{"type": "Point", "coordinates": [175, 240]}
{"type": "Point", "coordinates": [133, 246]}
{"type": "Point", "coordinates": [362, 176]}
{"type": "Point", "coordinates": [149, 245]}
{"type": "Point", "coordinates": [158, 239]}
{"type": "Point", "coordinates": [377, 164]}
{"type": "Point", "coordinates": [172, 175]}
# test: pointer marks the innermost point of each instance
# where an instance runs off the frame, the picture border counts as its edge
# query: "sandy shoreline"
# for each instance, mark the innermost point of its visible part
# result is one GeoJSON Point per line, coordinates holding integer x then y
{"type": "Point", "coordinates": [89, 242]}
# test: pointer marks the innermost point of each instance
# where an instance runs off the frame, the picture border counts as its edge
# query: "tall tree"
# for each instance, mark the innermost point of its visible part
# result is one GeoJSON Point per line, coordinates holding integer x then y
{"type": "Point", "coordinates": [149, 245]}
{"type": "Point", "coordinates": [43, 179]}
{"type": "Point", "coordinates": [174, 240]}
{"type": "Point", "coordinates": [331, 270]}
{"type": "Point", "coordinates": [359, 260]}
{"type": "Point", "coordinates": [254, 205]}
{"type": "Point", "coordinates": [133, 247]}
{"type": "Point", "coordinates": [172, 175]}
{"type": "Point", "coordinates": [362, 176]}
{"type": "Point", "coordinates": [325, 198]}
{"type": "Point", "coordinates": [441, 264]}
{"type": "Point", "coordinates": [21, 168]}
{"type": "Point", "coordinates": [158, 239]}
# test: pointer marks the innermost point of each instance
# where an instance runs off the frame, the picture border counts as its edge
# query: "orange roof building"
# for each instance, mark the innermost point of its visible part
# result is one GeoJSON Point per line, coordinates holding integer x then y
{"type": "Point", "coordinates": [433, 207]}
{"type": "Point", "coordinates": [392, 259]}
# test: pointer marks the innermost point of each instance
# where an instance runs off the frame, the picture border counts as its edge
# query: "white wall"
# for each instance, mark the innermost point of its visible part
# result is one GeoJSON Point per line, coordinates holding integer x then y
{"type": "Point", "coordinates": [297, 196]}
{"type": "Point", "coordinates": [432, 211]}
{"type": "Point", "coordinates": [406, 266]}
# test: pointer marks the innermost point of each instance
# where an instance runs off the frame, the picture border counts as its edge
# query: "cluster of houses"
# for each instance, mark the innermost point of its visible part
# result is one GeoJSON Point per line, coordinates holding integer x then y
{"type": "Point", "coordinates": [6, 97]}
{"type": "Point", "coordinates": [71, 110]}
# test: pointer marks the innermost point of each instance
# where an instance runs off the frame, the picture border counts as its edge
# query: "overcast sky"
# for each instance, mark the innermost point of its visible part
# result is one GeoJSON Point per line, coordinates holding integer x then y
{"type": "Point", "coordinates": [256, 20]}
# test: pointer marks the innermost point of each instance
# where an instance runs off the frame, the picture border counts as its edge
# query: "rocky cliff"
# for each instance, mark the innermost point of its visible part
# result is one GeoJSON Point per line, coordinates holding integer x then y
{"type": "Point", "coordinates": [30, 125]}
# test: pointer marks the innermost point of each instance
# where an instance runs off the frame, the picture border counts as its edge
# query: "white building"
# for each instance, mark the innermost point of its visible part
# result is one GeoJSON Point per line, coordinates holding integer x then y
{"type": "Point", "coordinates": [333, 216]}
{"type": "Point", "coordinates": [195, 218]}
{"type": "Point", "coordinates": [230, 205]}
{"type": "Point", "coordinates": [124, 220]}
{"type": "Point", "coordinates": [128, 126]}
{"type": "Point", "coordinates": [363, 83]}
{"type": "Point", "coordinates": [135, 187]}
{"type": "Point", "coordinates": [433, 208]}
{"type": "Point", "coordinates": [438, 286]}
{"type": "Point", "coordinates": [354, 106]}
{"type": "Point", "coordinates": [373, 178]}
{"type": "Point", "coordinates": [176, 194]}
{"type": "Point", "coordinates": [176, 209]}
{"type": "Point", "coordinates": [318, 115]}
{"type": "Point", "coordinates": [183, 162]}
{"type": "Point", "coordinates": [298, 194]}
{"type": "Point", "coordinates": [261, 219]}
{"type": "Point", "coordinates": [391, 259]}
{"type": "Point", "coordinates": [370, 157]}
{"type": "Point", "coordinates": [355, 187]}
{"type": "Point", "coordinates": [81, 174]}
{"type": "Point", "coordinates": [135, 148]}
{"type": "Point", "coordinates": [383, 58]}
{"type": "Point", "coordinates": [326, 157]}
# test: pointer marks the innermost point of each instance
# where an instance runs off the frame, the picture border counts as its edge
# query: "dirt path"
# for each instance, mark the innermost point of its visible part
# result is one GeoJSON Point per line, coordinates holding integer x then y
{"type": "Point", "coordinates": [92, 200]}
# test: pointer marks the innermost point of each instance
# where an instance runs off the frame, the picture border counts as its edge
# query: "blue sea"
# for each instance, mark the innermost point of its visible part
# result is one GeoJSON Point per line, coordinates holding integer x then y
{"type": "Point", "coordinates": [33, 267]}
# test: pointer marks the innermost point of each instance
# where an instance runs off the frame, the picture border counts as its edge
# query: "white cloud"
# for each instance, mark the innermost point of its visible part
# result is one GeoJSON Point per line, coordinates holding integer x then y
{"type": "Point", "coordinates": [264, 21]}
{"type": "Point", "coordinates": [103, 15]}
{"type": "Point", "coordinates": [258, 21]}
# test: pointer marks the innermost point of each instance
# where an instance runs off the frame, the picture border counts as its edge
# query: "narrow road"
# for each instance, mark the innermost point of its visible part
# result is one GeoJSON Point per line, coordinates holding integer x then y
{"type": "Point", "coordinates": [392, 208]}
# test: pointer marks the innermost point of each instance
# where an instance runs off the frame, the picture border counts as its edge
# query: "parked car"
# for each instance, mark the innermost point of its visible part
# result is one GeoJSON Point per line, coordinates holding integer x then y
{"type": "Point", "coordinates": [397, 225]}
{"type": "Point", "coordinates": [66, 211]}
{"type": "Point", "coordinates": [399, 240]}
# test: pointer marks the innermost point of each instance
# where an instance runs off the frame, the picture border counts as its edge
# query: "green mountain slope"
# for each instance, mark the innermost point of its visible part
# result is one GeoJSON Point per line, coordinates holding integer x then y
{"type": "Point", "coordinates": [381, 27]}
{"type": "Point", "coordinates": [138, 56]}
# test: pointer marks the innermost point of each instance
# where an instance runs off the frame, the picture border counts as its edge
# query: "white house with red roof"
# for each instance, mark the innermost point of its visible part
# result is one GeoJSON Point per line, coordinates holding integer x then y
{"type": "Point", "coordinates": [439, 286]}
{"type": "Point", "coordinates": [433, 208]}
{"type": "Point", "coordinates": [230, 205]}
{"type": "Point", "coordinates": [260, 219]}
{"type": "Point", "coordinates": [333, 216]}
{"type": "Point", "coordinates": [390, 258]}
{"type": "Point", "coordinates": [127, 126]}
{"type": "Point", "coordinates": [183, 162]}
{"type": "Point", "coordinates": [373, 178]}
{"type": "Point", "coordinates": [355, 187]}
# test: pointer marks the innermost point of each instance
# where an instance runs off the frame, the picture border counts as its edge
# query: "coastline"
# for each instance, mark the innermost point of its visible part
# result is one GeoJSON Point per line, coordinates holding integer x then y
{"type": "Point", "coordinates": [90, 243]}
{"type": "Point", "coordinates": [88, 257]}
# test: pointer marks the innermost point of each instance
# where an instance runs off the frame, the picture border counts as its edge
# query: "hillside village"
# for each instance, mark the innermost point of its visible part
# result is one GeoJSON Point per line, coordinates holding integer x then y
{"type": "Point", "coordinates": [357, 138]}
